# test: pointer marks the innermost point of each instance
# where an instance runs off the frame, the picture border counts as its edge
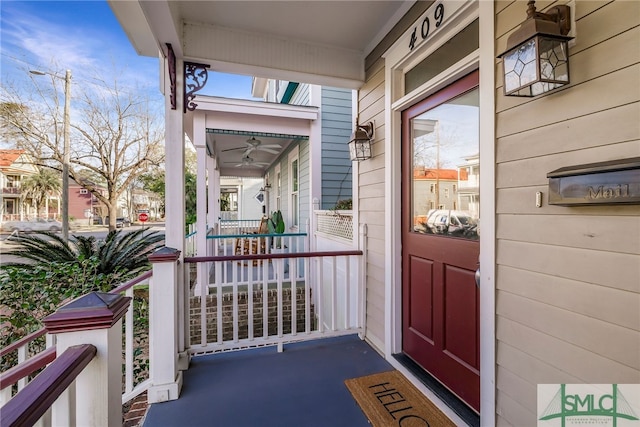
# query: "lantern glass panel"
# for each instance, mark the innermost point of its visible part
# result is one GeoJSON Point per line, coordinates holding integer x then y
{"type": "Point", "coordinates": [554, 62]}
{"type": "Point", "coordinates": [520, 68]}
{"type": "Point", "coordinates": [360, 149]}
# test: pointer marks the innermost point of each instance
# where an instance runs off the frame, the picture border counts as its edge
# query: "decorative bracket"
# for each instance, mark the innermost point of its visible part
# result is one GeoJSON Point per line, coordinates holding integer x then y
{"type": "Point", "coordinates": [171, 59]}
{"type": "Point", "coordinates": [195, 78]}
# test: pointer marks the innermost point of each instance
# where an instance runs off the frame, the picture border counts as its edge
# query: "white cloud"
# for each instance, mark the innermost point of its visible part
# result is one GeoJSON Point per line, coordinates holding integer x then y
{"type": "Point", "coordinates": [90, 51]}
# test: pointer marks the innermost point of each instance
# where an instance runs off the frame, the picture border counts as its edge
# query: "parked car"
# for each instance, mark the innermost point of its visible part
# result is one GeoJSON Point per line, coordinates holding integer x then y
{"type": "Point", "coordinates": [122, 222]}
{"type": "Point", "coordinates": [39, 224]}
{"type": "Point", "coordinates": [451, 222]}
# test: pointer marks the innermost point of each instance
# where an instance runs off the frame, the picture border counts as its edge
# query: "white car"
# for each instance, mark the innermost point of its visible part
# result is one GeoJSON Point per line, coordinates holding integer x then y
{"type": "Point", "coordinates": [452, 223]}
{"type": "Point", "coordinates": [39, 224]}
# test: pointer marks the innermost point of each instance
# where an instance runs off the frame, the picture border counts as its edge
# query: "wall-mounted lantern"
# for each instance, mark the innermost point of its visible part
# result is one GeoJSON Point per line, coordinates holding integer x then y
{"type": "Point", "coordinates": [360, 143]}
{"type": "Point", "coordinates": [537, 56]}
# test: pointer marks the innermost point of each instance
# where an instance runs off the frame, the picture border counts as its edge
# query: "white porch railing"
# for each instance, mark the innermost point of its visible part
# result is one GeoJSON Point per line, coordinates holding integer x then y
{"type": "Point", "coordinates": [249, 299]}
{"type": "Point", "coordinates": [238, 226]}
{"type": "Point", "coordinates": [274, 298]}
{"type": "Point", "coordinates": [190, 242]}
{"type": "Point", "coordinates": [32, 356]}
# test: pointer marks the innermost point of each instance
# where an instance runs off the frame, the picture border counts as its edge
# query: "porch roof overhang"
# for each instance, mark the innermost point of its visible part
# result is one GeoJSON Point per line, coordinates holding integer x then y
{"type": "Point", "coordinates": [318, 42]}
{"type": "Point", "coordinates": [229, 123]}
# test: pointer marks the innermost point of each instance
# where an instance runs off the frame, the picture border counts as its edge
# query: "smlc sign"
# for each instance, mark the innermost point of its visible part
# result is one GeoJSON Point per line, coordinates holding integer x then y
{"type": "Point", "coordinates": [588, 404]}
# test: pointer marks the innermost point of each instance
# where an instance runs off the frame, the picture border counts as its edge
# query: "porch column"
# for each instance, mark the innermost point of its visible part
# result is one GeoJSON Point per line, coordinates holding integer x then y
{"type": "Point", "coordinates": [164, 324]}
{"type": "Point", "coordinates": [199, 141]}
{"type": "Point", "coordinates": [174, 161]}
{"type": "Point", "coordinates": [315, 146]}
{"type": "Point", "coordinates": [174, 185]}
{"type": "Point", "coordinates": [95, 318]}
{"type": "Point", "coordinates": [213, 208]}
{"type": "Point", "coordinates": [216, 193]}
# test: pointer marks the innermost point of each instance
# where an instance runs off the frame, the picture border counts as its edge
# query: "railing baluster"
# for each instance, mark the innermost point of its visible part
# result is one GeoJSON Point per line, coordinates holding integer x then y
{"type": "Point", "coordinates": [128, 343]}
{"type": "Point", "coordinates": [5, 395]}
{"type": "Point", "coordinates": [23, 354]}
{"type": "Point", "coordinates": [219, 310]}
{"type": "Point", "coordinates": [320, 288]}
{"type": "Point", "coordinates": [294, 288]}
{"type": "Point", "coordinates": [234, 314]}
{"type": "Point", "coordinates": [204, 291]}
{"type": "Point", "coordinates": [250, 306]}
{"type": "Point", "coordinates": [347, 292]}
{"type": "Point", "coordinates": [63, 411]}
{"type": "Point", "coordinates": [265, 300]}
{"type": "Point", "coordinates": [334, 293]}
{"type": "Point", "coordinates": [307, 297]}
{"type": "Point", "coordinates": [280, 267]}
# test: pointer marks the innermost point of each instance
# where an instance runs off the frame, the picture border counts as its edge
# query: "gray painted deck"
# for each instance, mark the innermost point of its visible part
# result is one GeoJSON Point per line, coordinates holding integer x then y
{"type": "Point", "coordinates": [302, 386]}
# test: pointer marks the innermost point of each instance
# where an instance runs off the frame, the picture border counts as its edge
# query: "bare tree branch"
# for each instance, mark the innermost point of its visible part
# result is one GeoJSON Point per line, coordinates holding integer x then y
{"type": "Point", "coordinates": [113, 135]}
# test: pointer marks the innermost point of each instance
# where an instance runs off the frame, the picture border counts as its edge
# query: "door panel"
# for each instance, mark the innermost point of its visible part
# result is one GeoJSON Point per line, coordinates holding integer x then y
{"type": "Point", "coordinates": [460, 316]}
{"type": "Point", "coordinates": [421, 271]}
{"type": "Point", "coordinates": [440, 236]}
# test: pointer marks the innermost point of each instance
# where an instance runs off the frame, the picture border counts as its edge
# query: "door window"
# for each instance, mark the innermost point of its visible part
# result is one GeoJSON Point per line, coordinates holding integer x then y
{"type": "Point", "coordinates": [446, 172]}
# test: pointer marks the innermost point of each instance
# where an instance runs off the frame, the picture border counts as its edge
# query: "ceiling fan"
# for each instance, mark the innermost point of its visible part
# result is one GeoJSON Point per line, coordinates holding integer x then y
{"type": "Point", "coordinates": [256, 144]}
{"type": "Point", "coordinates": [249, 161]}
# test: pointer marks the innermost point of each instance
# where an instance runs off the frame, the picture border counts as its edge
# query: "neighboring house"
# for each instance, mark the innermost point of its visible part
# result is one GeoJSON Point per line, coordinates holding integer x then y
{"type": "Point", "coordinates": [557, 292]}
{"type": "Point", "coordinates": [331, 157]}
{"type": "Point", "coordinates": [145, 201]}
{"type": "Point", "coordinates": [15, 165]}
{"type": "Point", "coordinates": [83, 205]}
{"type": "Point", "coordinates": [134, 201]}
{"type": "Point", "coordinates": [245, 197]}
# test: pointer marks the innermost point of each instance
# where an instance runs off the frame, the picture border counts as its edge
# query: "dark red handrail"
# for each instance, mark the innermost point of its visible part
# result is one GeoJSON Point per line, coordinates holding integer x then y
{"type": "Point", "coordinates": [23, 341]}
{"type": "Point", "coordinates": [132, 282]}
{"type": "Point", "coordinates": [270, 256]}
{"type": "Point", "coordinates": [33, 401]}
{"type": "Point", "coordinates": [16, 373]}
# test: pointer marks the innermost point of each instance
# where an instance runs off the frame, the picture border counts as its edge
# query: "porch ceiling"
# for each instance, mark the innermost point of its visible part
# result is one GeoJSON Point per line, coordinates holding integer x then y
{"type": "Point", "coordinates": [259, 132]}
{"type": "Point", "coordinates": [320, 42]}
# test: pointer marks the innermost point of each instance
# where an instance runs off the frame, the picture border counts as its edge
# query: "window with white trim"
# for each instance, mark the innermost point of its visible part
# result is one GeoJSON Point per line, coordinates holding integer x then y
{"type": "Point", "coordinates": [294, 183]}
{"type": "Point", "coordinates": [278, 187]}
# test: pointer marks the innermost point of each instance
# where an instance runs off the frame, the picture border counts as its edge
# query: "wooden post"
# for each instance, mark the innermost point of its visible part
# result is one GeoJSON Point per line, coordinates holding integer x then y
{"type": "Point", "coordinates": [165, 377]}
{"type": "Point", "coordinates": [94, 318]}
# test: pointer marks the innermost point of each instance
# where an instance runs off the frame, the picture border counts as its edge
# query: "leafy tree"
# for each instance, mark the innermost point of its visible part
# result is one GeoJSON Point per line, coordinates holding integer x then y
{"type": "Point", "coordinates": [155, 182]}
{"type": "Point", "coordinates": [120, 252]}
{"type": "Point", "coordinates": [114, 134]}
{"type": "Point", "coordinates": [39, 186]}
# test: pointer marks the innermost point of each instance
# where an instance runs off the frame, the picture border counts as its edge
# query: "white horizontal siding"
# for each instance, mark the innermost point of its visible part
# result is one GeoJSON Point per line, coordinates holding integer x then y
{"type": "Point", "coordinates": [568, 278]}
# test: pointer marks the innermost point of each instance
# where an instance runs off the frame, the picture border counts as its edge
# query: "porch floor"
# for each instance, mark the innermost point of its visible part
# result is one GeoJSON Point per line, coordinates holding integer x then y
{"type": "Point", "coordinates": [302, 386]}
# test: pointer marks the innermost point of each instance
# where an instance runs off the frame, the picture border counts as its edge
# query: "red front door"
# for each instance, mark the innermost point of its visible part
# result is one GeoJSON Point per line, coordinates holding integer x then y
{"type": "Point", "coordinates": [440, 237]}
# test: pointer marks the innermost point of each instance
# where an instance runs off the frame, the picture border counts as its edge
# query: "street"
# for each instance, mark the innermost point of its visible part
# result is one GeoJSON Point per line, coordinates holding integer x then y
{"type": "Point", "coordinates": [98, 231]}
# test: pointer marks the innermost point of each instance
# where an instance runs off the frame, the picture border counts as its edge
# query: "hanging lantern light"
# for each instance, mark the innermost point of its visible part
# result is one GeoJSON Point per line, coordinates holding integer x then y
{"type": "Point", "coordinates": [360, 143]}
{"type": "Point", "coordinates": [537, 56]}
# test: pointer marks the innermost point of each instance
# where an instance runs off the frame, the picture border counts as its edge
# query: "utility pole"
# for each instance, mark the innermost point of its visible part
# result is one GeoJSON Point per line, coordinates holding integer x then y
{"type": "Point", "coordinates": [65, 158]}
{"type": "Point", "coordinates": [66, 149]}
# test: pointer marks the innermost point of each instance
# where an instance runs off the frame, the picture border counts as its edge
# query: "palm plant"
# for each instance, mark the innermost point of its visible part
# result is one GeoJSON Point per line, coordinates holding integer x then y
{"type": "Point", "coordinates": [39, 186]}
{"type": "Point", "coordinates": [119, 251]}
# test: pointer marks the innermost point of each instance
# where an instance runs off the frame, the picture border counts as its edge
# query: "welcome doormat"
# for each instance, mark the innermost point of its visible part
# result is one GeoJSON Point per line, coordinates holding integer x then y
{"type": "Point", "coordinates": [389, 399]}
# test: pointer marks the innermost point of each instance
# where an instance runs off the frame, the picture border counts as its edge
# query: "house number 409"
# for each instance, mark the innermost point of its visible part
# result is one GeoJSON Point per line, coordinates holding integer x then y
{"type": "Point", "coordinates": [438, 16]}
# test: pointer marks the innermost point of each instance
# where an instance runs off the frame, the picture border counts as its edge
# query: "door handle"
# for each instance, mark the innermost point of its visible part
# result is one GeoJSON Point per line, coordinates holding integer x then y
{"type": "Point", "coordinates": [477, 275]}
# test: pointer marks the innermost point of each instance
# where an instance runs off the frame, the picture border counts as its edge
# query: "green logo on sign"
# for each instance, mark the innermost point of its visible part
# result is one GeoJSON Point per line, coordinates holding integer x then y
{"type": "Point", "coordinates": [584, 403]}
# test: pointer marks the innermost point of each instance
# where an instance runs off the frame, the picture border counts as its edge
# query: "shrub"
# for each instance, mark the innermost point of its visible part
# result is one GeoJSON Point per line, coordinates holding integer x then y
{"type": "Point", "coordinates": [27, 295]}
{"type": "Point", "coordinates": [345, 204]}
{"type": "Point", "coordinates": [119, 251]}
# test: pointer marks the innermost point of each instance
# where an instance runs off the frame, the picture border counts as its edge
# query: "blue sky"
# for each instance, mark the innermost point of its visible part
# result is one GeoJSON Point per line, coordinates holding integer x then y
{"type": "Point", "coordinates": [85, 37]}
